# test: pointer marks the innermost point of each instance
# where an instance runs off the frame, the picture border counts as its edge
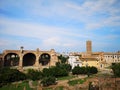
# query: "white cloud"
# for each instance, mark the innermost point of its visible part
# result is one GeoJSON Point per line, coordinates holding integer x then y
{"type": "Point", "coordinates": [53, 41]}
{"type": "Point", "coordinates": [37, 30]}
{"type": "Point", "coordinates": [92, 13]}
{"type": "Point", "coordinates": [88, 13]}
{"type": "Point", "coordinates": [84, 12]}
{"type": "Point", "coordinates": [49, 36]}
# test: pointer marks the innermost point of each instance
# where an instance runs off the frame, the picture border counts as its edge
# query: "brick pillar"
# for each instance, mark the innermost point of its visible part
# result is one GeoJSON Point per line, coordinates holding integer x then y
{"type": "Point", "coordinates": [37, 58]}
{"type": "Point", "coordinates": [37, 61]}
{"type": "Point", "coordinates": [54, 58]}
{"type": "Point", "coordinates": [21, 62]}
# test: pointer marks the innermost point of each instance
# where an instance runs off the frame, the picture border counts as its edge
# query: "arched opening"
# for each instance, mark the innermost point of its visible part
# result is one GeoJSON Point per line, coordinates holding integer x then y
{"type": "Point", "coordinates": [44, 59]}
{"type": "Point", "coordinates": [11, 59]}
{"type": "Point", "coordinates": [29, 59]}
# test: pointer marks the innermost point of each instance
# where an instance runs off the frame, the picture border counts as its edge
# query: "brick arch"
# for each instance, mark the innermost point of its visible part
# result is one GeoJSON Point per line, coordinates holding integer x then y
{"type": "Point", "coordinates": [26, 52]}
{"type": "Point", "coordinates": [29, 59]}
{"type": "Point", "coordinates": [11, 59]}
{"type": "Point", "coordinates": [8, 52]}
{"type": "Point", "coordinates": [44, 59]}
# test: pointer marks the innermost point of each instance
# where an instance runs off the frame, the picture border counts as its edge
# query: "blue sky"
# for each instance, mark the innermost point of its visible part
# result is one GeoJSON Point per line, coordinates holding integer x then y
{"type": "Point", "coordinates": [64, 25]}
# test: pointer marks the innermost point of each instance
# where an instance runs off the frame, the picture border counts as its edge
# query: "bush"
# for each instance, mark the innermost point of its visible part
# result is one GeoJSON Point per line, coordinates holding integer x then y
{"type": "Point", "coordinates": [93, 70]}
{"type": "Point", "coordinates": [34, 74]}
{"type": "Point", "coordinates": [48, 72]}
{"type": "Point", "coordinates": [55, 72]}
{"type": "Point", "coordinates": [65, 66]}
{"type": "Point", "coordinates": [10, 75]}
{"type": "Point", "coordinates": [116, 69]}
{"type": "Point", "coordinates": [84, 70]}
{"type": "Point", "coordinates": [76, 70]}
{"type": "Point", "coordinates": [46, 81]}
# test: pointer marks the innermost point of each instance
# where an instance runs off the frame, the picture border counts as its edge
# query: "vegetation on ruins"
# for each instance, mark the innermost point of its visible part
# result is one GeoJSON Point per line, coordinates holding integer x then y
{"type": "Point", "coordinates": [8, 75]}
{"type": "Point", "coordinates": [34, 74]}
{"type": "Point", "coordinates": [46, 81]}
{"type": "Point", "coordinates": [47, 75]}
{"type": "Point", "coordinates": [84, 70]}
{"type": "Point", "coordinates": [116, 69]}
{"type": "Point", "coordinates": [64, 66]}
{"type": "Point", "coordinates": [52, 73]}
{"type": "Point", "coordinates": [55, 71]}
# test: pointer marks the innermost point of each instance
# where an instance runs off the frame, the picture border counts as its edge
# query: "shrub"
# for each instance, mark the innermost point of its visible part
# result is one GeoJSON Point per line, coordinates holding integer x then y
{"type": "Point", "coordinates": [46, 81]}
{"type": "Point", "coordinates": [55, 71]}
{"type": "Point", "coordinates": [93, 70]}
{"type": "Point", "coordinates": [8, 75]}
{"type": "Point", "coordinates": [84, 70]}
{"type": "Point", "coordinates": [116, 69]}
{"type": "Point", "coordinates": [76, 70]}
{"type": "Point", "coordinates": [65, 66]}
{"type": "Point", "coordinates": [34, 74]}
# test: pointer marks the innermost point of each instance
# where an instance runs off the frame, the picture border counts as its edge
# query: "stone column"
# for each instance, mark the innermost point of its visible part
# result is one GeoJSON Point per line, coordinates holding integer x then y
{"type": "Point", "coordinates": [37, 58]}
{"type": "Point", "coordinates": [21, 58]}
{"type": "Point", "coordinates": [21, 62]}
{"type": "Point", "coordinates": [37, 61]}
{"type": "Point", "coordinates": [54, 59]}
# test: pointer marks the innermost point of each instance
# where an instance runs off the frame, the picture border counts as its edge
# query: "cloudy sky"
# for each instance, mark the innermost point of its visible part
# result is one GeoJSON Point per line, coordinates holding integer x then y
{"type": "Point", "coordinates": [64, 25]}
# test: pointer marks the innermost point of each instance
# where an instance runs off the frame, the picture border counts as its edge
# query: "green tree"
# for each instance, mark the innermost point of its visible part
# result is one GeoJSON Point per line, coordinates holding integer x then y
{"type": "Point", "coordinates": [93, 70]}
{"type": "Point", "coordinates": [84, 70]}
{"type": "Point", "coordinates": [75, 70]}
{"type": "Point", "coordinates": [8, 75]}
{"type": "Point", "coordinates": [116, 69]}
{"type": "Point", "coordinates": [48, 72]}
{"type": "Point", "coordinates": [34, 74]}
{"type": "Point", "coordinates": [55, 71]}
{"type": "Point", "coordinates": [64, 66]}
{"type": "Point", "coordinates": [63, 59]}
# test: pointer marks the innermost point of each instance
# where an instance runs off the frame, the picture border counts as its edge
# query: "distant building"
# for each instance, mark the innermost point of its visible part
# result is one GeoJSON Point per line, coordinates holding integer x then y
{"type": "Point", "coordinates": [109, 58]}
{"type": "Point", "coordinates": [100, 60]}
{"type": "Point", "coordinates": [74, 61]}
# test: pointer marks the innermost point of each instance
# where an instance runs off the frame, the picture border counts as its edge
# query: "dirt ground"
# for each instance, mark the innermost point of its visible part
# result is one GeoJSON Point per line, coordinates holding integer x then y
{"type": "Point", "coordinates": [102, 81]}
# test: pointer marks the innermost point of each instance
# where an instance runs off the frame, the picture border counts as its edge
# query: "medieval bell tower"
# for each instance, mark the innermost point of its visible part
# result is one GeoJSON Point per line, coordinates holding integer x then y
{"type": "Point", "coordinates": [89, 47]}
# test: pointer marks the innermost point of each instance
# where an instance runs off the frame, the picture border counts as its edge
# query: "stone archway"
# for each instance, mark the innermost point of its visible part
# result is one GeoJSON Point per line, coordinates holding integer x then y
{"type": "Point", "coordinates": [29, 59]}
{"type": "Point", "coordinates": [11, 59]}
{"type": "Point", "coordinates": [44, 59]}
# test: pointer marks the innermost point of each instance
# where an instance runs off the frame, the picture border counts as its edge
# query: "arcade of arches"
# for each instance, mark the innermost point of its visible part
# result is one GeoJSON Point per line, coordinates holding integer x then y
{"type": "Point", "coordinates": [27, 58]}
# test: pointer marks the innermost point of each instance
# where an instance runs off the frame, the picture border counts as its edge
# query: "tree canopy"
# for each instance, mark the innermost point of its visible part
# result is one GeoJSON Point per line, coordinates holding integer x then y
{"type": "Point", "coordinates": [116, 69]}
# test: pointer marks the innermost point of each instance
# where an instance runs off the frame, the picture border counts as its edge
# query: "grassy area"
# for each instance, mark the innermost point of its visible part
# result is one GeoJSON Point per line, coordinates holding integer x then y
{"type": "Point", "coordinates": [57, 88]}
{"type": "Point", "coordinates": [35, 83]}
{"type": "Point", "coordinates": [78, 81]}
{"type": "Point", "coordinates": [25, 86]}
{"type": "Point", "coordinates": [66, 78]}
{"type": "Point", "coordinates": [20, 86]}
{"type": "Point", "coordinates": [47, 89]}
